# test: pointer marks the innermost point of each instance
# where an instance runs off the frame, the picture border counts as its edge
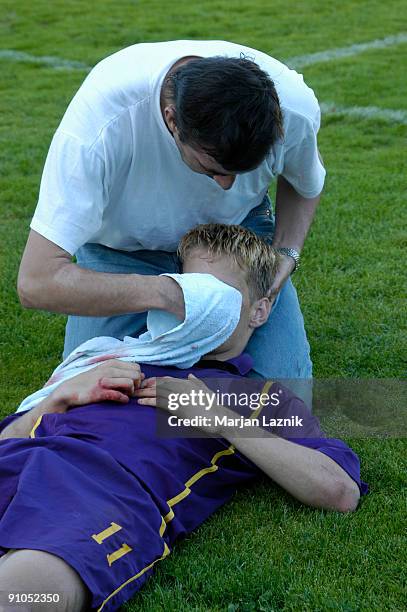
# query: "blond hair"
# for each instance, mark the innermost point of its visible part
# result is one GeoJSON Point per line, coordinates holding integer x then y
{"type": "Point", "coordinates": [252, 254]}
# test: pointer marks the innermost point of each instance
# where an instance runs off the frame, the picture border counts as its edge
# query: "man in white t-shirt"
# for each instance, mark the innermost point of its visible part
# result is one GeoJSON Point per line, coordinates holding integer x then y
{"type": "Point", "coordinates": [159, 138]}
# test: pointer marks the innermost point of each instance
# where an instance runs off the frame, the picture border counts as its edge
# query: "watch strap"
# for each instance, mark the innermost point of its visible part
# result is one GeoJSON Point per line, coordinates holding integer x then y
{"type": "Point", "coordinates": [291, 253]}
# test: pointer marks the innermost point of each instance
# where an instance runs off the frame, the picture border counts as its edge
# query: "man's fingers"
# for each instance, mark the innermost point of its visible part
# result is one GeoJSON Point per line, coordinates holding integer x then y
{"type": "Point", "coordinates": [278, 283]}
{"type": "Point", "coordinates": [271, 294]}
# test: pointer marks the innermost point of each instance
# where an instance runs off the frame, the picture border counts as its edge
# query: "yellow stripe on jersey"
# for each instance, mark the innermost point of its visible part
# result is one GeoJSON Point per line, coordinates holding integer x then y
{"type": "Point", "coordinates": [166, 552]}
{"type": "Point", "coordinates": [213, 467]}
{"type": "Point", "coordinates": [37, 422]}
{"type": "Point", "coordinates": [182, 495]}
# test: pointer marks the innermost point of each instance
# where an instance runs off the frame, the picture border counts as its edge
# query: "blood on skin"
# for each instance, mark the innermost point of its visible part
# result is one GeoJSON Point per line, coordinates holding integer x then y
{"type": "Point", "coordinates": [104, 358]}
{"type": "Point", "coordinates": [101, 393]}
{"type": "Point", "coordinates": [53, 379]}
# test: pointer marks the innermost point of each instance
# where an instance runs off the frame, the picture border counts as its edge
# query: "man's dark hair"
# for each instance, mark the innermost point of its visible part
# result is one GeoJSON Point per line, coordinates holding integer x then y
{"type": "Point", "coordinates": [228, 107]}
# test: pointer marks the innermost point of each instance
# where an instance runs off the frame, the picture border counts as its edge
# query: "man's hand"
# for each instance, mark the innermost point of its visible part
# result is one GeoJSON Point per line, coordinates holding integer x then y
{"type": "Point", "coordinates": [156, 392]}
{"type": "Point", "coordinates": [285, 267]}
{"type": "Point", "coordinates": [113, 380]}
{"type": "Point", "coordinates": [172, 297]}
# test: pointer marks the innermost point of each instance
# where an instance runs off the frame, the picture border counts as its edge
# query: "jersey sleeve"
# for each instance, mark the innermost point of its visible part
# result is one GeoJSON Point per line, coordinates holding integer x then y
{"type": "Point", "coordinates": [342, 454]}
{"type": "Point", "coordinates": [303, 428]}
{"type": "Point", "coordinates": [302, 167]}
{"type": "Point", "coordinates": [72, 193]}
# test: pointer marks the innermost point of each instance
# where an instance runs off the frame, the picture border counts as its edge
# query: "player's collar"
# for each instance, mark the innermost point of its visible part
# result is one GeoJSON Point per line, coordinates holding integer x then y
{"type": "Point", "coordinates": [242, 364]}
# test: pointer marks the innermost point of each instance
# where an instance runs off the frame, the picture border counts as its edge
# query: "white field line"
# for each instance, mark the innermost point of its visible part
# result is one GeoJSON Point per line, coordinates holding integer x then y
{"type": "Point", "coordinates": [332, 54]}
{"type": "Point", "coordinates": [54, 62]}
{"type": "Point", "coordinates": [298, 61]}
{"type": "Point", "coordinates": [365, 112]}
{"type": "Point", "coordinates": [329, 108]}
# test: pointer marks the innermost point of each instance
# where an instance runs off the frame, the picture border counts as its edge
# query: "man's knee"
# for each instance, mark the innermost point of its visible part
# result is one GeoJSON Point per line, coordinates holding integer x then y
{"type": "Point", "coordinates": [34, 572]}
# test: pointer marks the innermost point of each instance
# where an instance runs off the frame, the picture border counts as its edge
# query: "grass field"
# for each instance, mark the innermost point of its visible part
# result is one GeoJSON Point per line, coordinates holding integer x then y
{"type": "Point", "coordinates": [263, 551]}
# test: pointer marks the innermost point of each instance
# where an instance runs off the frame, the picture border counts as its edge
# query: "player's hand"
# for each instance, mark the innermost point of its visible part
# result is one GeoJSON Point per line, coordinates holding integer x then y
{"type": "Point", "coordinates": [157, 391]}
{"type": "Point", "coordinates": [112, 380]}
{"type": "Point", "coordinates": [285, 267]}
{"type": "Point", "coordinates": [152, 394]}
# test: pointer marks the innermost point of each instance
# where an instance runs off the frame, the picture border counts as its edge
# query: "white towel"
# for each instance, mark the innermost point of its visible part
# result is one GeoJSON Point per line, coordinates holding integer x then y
{"type": "Point", "coordinates": [212, 312]}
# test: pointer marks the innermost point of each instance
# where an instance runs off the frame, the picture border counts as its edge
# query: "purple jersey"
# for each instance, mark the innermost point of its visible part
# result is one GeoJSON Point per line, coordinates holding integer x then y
{"type": "Point", "coordinates": [97, 487]}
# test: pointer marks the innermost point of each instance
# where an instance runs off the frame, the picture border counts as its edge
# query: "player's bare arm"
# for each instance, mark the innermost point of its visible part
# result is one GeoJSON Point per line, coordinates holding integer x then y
{"type": "Point", "coordinates": [307, 474]}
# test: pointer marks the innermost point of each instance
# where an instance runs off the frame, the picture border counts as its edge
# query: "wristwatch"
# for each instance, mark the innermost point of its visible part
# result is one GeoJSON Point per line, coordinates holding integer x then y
{"type": "Point", "coordinates": [292, 253]}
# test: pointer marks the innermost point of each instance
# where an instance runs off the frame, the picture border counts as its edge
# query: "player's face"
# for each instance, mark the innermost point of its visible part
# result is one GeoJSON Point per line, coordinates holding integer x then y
{"type": "Point", "coordinates": [252, 314]}
{"type": "Point", "coordinates": [226, 270]}
{"type": "Point", "coordinates": [221, 266]}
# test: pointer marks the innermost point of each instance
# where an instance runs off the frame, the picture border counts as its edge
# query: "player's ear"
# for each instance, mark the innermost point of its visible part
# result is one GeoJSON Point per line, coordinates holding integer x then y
{"type": "Point", "coordinates": [260, 312]}
{"type": "Point", "coordinates": [170, 118]}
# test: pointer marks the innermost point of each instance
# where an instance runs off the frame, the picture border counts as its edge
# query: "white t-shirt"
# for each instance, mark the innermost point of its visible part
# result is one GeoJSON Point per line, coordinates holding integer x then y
{"type": "Point", "coordinates": [114, 175]}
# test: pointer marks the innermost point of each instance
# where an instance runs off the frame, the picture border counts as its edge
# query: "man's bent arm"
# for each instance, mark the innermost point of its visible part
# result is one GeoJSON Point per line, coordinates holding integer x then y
{"type": "Point", "coordinates": [49, 280]}
{"type": "Point", "coordinates": [312, 477]}
{"type": "Point", "coordinates": [294, 215]}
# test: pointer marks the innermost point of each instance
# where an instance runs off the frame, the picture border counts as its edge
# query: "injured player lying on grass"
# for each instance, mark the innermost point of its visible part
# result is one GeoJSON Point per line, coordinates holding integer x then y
{"type": "Point", "coordinates": [92, 497]}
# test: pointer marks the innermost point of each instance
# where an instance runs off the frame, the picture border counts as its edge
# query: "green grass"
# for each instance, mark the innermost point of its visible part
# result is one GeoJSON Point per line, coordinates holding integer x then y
{"type": "Point", "coordinates": [264, 551]}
